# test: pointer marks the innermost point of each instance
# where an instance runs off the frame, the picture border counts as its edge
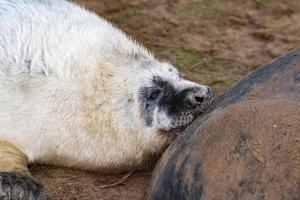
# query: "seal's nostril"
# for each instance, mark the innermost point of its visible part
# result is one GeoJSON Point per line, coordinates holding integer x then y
{"type": "Point", "coordinates": [199, 99]}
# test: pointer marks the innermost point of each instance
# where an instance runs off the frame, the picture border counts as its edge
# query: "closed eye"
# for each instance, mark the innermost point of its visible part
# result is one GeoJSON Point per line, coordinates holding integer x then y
{"type": "Point", "coordinates": [154, 94]}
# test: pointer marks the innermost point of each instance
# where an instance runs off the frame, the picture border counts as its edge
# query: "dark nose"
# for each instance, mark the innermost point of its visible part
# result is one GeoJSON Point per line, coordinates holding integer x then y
{"type": "Point", "coordinates": [201, 95]}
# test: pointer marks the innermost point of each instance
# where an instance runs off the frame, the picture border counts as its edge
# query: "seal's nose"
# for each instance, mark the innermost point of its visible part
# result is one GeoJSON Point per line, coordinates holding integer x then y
{"type": "Point", "coordinates": [201, 95]}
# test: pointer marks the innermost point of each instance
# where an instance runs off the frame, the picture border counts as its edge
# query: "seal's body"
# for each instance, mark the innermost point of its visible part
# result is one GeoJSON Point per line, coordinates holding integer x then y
{"type": "Point", "coordinates": [76, 91]}
{"type": "Point", "coordinates": [247, 147]}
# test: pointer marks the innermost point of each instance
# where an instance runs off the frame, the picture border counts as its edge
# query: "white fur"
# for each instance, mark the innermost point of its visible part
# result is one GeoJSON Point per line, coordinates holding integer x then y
{"type": "Point", "coordinates": [64, 75]}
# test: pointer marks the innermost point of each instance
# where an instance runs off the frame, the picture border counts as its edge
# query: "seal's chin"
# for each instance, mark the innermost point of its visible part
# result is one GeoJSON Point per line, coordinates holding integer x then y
{"type": "Point", "coordinates": [175, 130]}
{"type": "Point", "coordinates": [181, 120]}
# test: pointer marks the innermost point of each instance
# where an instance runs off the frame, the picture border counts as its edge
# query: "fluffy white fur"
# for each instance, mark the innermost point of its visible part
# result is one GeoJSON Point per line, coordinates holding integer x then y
{"type": "Point", "coordinates": [69, 85]}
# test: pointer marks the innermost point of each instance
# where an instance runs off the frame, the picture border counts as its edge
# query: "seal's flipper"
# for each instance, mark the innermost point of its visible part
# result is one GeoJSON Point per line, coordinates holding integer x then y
{"type": "Point", "coordinates": [15, 179]}
{"type": "Point", "coordinates": [12, 159]}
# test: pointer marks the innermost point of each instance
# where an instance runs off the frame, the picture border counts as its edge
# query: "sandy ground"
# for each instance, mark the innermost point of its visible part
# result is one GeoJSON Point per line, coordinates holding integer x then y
{"type": "Point", "coordinates": [63, 183]}
{"type": "Point", "coordinates": [212, 42]}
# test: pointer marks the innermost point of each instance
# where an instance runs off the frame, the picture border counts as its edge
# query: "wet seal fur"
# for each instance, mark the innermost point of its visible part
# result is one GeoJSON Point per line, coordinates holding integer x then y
{"type": "Point", "coordinates": [246, 147]}
{"type": "Point", "coordinates": [76, 91]}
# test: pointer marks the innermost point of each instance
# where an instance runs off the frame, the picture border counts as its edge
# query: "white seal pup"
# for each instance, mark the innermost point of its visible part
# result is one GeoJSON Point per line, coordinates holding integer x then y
{"type": "Point", "coordinates": [76, 91]}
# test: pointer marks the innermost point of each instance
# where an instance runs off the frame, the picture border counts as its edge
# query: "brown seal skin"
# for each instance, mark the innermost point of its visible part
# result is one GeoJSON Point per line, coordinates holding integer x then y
{"type": "Point", "coordinates": [246, 147]}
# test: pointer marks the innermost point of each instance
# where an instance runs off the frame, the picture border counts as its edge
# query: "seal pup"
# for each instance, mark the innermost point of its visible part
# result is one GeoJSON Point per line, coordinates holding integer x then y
{"type": "Point", "coordinates": [77, 92]}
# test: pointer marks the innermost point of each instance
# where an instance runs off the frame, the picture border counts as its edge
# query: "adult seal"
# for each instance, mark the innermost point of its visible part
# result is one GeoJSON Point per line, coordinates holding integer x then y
{"type": "Point", "coordinates": [75, 91]}
{"type": "Point", "coordinates": [247, 147]}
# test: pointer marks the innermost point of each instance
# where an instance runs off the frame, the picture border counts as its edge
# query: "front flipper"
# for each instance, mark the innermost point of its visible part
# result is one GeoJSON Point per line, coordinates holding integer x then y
{"type": "Point", "coordinates": [16, 183]}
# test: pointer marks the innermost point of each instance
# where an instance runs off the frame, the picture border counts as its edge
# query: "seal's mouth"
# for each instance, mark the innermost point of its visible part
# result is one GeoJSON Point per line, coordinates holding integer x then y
{"type": "Point", "coordinates": [180, 121]}
{"type": "Point", "coordinates": [184, 119]}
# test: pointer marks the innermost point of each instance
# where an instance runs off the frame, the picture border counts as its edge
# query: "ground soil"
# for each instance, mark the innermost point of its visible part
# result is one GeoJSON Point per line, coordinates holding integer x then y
{"type": "Point", "coordinates": [212, 42]}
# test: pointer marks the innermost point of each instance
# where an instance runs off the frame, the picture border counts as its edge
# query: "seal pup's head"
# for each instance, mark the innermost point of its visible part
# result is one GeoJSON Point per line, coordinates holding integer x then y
{"type": "Point", "coordinates": [135, 103]}
{"type": "Point", "coordinates": [169, 102]}
{"type": "Point", "coordinates": [152, 97]}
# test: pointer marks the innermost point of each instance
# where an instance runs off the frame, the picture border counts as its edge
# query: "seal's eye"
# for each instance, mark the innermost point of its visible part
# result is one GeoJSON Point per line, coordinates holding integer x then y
{"type": "Point", "coordinates": [154, 94]}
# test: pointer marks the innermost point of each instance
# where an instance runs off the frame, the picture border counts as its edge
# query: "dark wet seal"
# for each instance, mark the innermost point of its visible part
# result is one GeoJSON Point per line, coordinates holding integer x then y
{"type": "Point", "coordinates": [242, 143]}
{"type": "Point", "coordinates": [175, 177]}
{"type": "Point", "coordinates": [246, 147]}
{"type": "Point", "coordinates": [297, 77]}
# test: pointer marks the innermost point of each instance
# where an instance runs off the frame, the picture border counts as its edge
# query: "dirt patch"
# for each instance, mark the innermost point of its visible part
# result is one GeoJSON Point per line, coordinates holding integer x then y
{"type": "Point", "coordinates": [211, 42]}
{"type": "Point", "coordinates": [63, 183]}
